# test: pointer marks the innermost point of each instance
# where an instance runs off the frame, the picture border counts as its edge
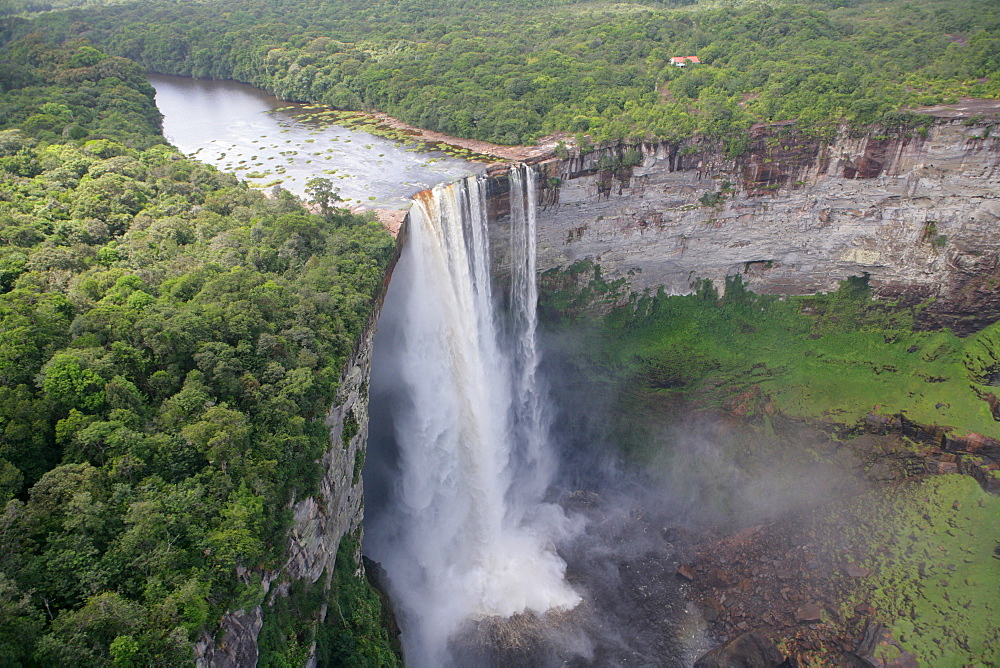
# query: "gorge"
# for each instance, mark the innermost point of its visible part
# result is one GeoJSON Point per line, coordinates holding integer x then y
{"type": "Point", "coordinates": [788, 219]}
{"type": "Point", "coordinates": [686, 374]}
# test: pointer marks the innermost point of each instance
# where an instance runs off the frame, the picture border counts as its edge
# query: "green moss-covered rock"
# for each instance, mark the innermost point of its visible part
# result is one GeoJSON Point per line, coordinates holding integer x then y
{"type": "Point", "coordinates": [933, 574]}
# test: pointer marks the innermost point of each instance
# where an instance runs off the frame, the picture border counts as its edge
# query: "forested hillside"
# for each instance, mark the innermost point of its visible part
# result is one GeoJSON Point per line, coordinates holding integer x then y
{"type": "Point", "coordinates": [170, 341]}
{"type": "Point", "coordinates": [510, 71]}
{"type": "Point", "coordinates": [30, 7]}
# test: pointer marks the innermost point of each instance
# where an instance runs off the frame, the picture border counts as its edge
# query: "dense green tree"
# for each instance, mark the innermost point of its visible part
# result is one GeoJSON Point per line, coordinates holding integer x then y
{"type": "Point", "coordinates": [21, 623]}
{"type": "Point", "coordinates": [170, 341]}
{"type": "Point", "coordinates": [509, 71]}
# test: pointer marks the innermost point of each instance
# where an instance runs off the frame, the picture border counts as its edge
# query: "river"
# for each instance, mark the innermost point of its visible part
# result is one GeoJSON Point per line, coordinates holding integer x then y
{"type": "Point", "coordinates": [245, 131]}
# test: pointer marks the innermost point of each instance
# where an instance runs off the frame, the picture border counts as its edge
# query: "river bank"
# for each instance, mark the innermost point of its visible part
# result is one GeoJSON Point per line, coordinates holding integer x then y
{"type": "Point", "coordinates": [268, 142]}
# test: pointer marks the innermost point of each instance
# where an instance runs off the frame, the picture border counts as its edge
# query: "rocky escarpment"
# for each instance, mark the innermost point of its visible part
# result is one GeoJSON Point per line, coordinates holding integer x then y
{"type": "Point", "coordinates": [916, 211]}
{"type": "Point", "coordinates": [320, 520]}
{"type": "Point", "coordinates": [915, 208]}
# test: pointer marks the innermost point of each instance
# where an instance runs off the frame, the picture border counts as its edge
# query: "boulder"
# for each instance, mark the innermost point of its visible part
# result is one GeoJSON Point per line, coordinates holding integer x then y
{"type": "Point", "coordinates": [851, 660]}
{"type": "Point", "coordinates": [810, 612]}
{"type": "Point", "coordinates": [749, 650]}
{"type": "Point", "coordinates": [864, 609]}
{"type": "Point", "coordinates": [856, 571]}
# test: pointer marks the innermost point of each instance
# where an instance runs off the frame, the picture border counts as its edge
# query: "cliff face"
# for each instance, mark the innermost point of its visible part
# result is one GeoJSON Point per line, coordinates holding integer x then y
{"type": "Point", "coordinates": [321, 520]}
{"type": "Point", "coordinates": [918, 212]}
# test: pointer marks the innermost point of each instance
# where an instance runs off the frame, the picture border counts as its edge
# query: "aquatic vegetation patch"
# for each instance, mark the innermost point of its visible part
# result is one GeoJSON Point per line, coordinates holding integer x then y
{"type": "Point", "coordinates": [353, 120]}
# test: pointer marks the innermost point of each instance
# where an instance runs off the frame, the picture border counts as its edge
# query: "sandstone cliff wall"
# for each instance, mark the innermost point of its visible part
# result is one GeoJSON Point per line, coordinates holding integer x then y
{"type": "Point", "coordinates": [917, 211]}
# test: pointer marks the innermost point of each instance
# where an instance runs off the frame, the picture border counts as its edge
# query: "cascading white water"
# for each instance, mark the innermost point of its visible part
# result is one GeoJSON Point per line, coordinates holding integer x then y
{"type": "Point", "coordinates": [529, 415]}
{"type": "Point", "coordinates": [468, 535]}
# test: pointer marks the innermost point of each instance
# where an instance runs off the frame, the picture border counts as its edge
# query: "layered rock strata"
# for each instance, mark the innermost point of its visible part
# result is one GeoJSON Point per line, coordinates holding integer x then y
{"type": "Point", "coordinates": [917, 210]}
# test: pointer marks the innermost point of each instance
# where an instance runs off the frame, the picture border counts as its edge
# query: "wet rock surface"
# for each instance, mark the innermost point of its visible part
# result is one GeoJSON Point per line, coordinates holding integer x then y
{"type": "Point", "coordinates": [814, 581]}
{"type": "Point", "coordinates": [638, 615]}
{"type": "Point", "coordinates": [775, 584]}
{"type": "Point", "coordinates": [749, 650]}
{"type": "Point", "coordinates": [769, 576]}
{"type": "Point", "coordinates": [664, 584]}
{"type": "Point", "coordinates": [624, 565]}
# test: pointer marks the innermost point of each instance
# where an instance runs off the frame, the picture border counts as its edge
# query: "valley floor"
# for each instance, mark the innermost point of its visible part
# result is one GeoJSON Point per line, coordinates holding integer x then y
{"type": "Point", "coordinates": [828, 473]}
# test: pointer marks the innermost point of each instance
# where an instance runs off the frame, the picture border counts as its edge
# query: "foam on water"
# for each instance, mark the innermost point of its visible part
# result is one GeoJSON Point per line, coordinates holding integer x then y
{"type": "Point", "coordinates": [467, 534]}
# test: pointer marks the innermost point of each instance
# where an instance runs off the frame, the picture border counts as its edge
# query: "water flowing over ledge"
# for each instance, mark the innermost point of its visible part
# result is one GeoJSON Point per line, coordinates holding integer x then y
{"type": "Point", "coordinates": [467, 535]}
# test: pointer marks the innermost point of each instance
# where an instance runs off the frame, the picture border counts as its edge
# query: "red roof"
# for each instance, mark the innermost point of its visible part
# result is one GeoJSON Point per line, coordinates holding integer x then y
{"type": "Point", "coordinates": [685, 59]}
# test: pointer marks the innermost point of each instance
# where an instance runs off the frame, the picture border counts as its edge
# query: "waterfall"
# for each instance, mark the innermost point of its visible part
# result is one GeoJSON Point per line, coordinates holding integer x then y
{"type": "Point", "coordinates": [529, 416]}
{"type": "Point", "coordinates": [467, 534]}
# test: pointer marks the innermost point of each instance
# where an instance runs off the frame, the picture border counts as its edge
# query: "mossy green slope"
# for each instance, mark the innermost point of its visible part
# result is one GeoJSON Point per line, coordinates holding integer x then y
{"type": "Point", "coordinates": [828, 357]}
